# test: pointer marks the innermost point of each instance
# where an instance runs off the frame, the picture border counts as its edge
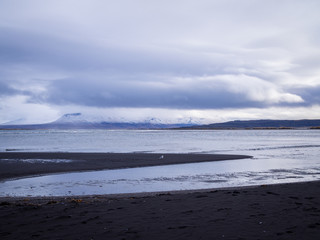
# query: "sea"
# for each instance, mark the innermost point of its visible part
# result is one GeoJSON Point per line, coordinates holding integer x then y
{"type": "Point", "coordinates": [279, 156]}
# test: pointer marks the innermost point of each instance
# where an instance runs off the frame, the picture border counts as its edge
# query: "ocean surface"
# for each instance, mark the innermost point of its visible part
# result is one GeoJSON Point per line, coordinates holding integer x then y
{"type": "Point", "coordinates": [279, 156]}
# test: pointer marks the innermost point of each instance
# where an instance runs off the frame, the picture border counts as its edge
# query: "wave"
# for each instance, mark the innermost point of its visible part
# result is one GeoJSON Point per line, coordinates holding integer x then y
{"type": "Point", "coordinates": [284, 147]}
{"type": "Point", "coordinates": [37, 160]}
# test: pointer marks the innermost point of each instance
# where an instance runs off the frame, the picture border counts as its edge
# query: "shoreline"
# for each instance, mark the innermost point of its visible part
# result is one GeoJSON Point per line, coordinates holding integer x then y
{"type": "Point", "coordinates": [275, 211]}
{"type": "Point", "coordinates": [279, 211]}
{"type": "Point", "coordinates": [145, 194]}
{"type": "Point", "coordinates": [11, 167]}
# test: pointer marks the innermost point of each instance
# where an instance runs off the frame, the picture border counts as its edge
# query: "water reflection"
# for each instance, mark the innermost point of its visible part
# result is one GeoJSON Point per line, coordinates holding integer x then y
{"type": "Point", "coordinates": [243, 172]}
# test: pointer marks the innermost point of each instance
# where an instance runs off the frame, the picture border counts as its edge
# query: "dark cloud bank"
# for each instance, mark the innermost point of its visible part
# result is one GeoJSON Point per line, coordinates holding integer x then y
{"type": "Point", "coordinates": [204, 55]}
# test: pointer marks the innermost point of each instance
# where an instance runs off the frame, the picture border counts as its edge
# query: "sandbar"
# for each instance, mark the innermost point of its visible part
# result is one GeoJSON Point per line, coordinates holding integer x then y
{"type": "Point", "coordinates": [14, 164]}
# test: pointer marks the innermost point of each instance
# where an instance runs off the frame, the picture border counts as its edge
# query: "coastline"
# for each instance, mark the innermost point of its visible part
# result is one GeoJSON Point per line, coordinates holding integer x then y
{"type": "Point", "coordinates": [278, 211]}
{"type": "Point", "coordinates": [11, 165]}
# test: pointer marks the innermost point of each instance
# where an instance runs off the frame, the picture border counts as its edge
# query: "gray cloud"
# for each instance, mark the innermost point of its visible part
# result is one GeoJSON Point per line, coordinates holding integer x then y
{"type": "Point", "coordinates": [311, 95]}
{"type": "Point", "coordinates": [178, 55]}
{"type": "Point", "coordinates": [127, 94]}
{"type": "Point", "coordinates": [139, 77]}
{"type": "Point", "coordinates": [180, 93]}
{"type": "Point", "coordinates": [6, 90]}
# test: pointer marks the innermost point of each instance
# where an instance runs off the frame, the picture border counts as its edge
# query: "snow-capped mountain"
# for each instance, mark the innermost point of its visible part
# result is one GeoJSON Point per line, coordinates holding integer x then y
{"type": "Point", "coordinates": [15, 122]}
{"type": "Point", "coordinates": [81, 118]}
{"type": "Point", "coordinates": [71, 118]}
{"type": "Point", "coordinates": [81, 121]}
{"type": "Point", "coordinates": [152, 120]}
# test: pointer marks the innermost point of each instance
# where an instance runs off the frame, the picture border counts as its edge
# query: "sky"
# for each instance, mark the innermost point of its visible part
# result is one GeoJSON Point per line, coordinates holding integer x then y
{"type": "Point", "coordinates": [205, 60]}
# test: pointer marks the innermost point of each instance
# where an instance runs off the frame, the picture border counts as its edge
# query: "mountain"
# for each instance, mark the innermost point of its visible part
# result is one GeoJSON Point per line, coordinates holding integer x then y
{"type": "Point", "coordinates": [71, 118]}
{"type": "Point", "coordinates": [261, 124]}
{"type": "Point", "coordinates": [79, 121]}
{"type": "Point", "coordinates": [15, 122]}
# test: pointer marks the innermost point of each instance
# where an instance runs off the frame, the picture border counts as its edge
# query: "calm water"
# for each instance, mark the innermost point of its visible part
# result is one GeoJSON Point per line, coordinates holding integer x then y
{"type": "Point", "coordinates": [279, 156]}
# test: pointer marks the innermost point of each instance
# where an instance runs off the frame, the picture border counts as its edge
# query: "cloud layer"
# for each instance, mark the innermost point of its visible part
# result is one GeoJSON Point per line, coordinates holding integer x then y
{"type": "Point", "coordinates": [179, 55]}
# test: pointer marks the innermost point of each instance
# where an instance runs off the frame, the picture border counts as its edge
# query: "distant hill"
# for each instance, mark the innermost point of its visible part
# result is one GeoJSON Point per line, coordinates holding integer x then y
{"type": "Point", "coordinates": [261, 124]}
{"type": "Point", "coordinates": [78, 121]}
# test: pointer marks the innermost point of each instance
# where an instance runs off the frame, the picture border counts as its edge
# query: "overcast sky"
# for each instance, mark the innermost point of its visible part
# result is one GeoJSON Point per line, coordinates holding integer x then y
{"type": "Point", "coordinates": [211, 60]}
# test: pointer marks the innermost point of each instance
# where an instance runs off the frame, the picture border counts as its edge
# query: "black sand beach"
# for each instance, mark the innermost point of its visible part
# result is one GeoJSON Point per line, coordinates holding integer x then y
{"type": "Point", "coordinates": [284, 211]}
{"type": "Point", "coordinates": [11, 167]}
{"type": "Point", "coordinates": [287, 211]}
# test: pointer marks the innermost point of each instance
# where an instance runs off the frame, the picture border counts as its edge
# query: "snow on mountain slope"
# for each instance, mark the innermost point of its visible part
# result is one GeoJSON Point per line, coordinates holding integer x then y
{"type": "Point", "coordinates": [74, 118]}
{"type": "Point", "coordinates": [71, 118]}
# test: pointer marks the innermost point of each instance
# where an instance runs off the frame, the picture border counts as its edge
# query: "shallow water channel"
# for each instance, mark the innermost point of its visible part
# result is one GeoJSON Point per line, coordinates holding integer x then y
{"type": "Point", "coordinates": [233, 173]}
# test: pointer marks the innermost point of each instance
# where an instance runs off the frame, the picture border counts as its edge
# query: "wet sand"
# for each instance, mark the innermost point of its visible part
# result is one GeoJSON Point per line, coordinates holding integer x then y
{"type": "Point", "coordinates": [286, 211]}
{"type": "Point", "coordinates": [12, 167]}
